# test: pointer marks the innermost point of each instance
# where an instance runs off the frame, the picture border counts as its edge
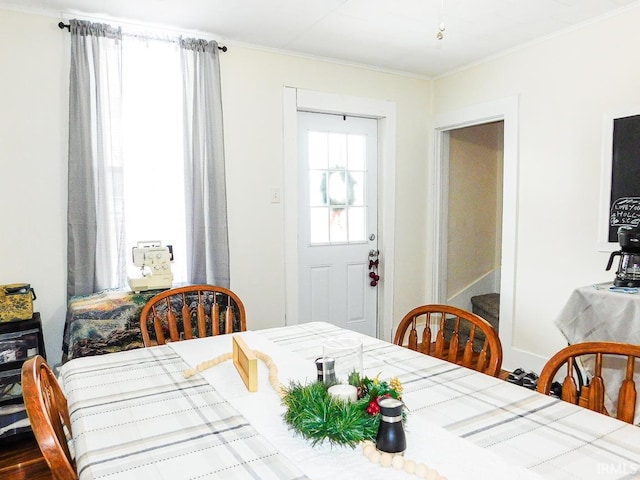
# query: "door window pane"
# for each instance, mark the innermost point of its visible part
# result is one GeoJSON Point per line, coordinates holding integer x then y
{"type": "Point", "coordinates": [319, 218]}
{"type": "Point", "coordinates": [357, 152]}
{"type": "Point", "coordinates": [337, 191]}
{"type": "Point", "coordinates": [337, 150]}
{"type": "Point", "coordinates": [317, 189]}
{"type": "Point", "coordinates": [338, 225]}
{"type": "Point", "coordinates": [318, 150]}
{"type": "Point", "coordinates": [356, 224]}
{"type": "Point", "coordinates": [337, 181]}
{"type": "Point", "coordinates": [358, 188]}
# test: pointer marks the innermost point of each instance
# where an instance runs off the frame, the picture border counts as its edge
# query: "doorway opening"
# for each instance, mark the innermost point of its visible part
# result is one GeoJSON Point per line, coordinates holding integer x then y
{"type": "Point", "coordinates": [502, 112]}
{"type": "Point", "coordinates": [474, 219]}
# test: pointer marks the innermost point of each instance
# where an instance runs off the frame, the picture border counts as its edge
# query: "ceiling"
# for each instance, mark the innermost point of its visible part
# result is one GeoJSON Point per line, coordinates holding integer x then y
{"type": "Point", "coordinates": [395, 35]}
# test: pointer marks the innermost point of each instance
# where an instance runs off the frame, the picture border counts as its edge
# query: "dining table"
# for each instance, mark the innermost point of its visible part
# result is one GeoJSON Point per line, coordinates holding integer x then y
{"type": "Point", "coordinates": [136, 415]}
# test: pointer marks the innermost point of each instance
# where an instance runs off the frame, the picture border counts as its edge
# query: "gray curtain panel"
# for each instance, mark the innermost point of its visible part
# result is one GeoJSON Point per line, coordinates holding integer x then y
{"type": "Point", "coordinates": [97, 251]}
{"type": "Point", "coordinates": [205, 190]}
{"type": "Point", "coordinates": [95, 230]}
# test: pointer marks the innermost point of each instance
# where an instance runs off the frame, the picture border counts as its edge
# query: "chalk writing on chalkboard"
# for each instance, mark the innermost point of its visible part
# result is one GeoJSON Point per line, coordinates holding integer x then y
{"type": "Point", "coordinates": [625, 212]}
{"type": "Point", "coordinates": [624, 200]}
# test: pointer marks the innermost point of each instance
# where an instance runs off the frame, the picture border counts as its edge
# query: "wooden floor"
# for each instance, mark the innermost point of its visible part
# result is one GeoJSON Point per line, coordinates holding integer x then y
{"type": "Point", "coordinates": [22, 460]}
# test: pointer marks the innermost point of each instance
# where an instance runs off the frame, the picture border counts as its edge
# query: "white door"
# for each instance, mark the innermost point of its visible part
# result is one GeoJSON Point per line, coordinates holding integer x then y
{"type": "Point", "coordinates": [337, 221]}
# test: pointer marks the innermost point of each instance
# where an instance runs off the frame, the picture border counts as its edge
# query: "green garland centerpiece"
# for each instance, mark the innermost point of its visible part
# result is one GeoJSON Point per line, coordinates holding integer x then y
{"type": "Point", "coordinates": [318, 417]}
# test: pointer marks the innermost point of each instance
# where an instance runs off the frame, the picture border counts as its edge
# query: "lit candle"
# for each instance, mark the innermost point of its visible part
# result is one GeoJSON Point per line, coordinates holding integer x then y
{"type": "Point", "coordinates": [346, 393]}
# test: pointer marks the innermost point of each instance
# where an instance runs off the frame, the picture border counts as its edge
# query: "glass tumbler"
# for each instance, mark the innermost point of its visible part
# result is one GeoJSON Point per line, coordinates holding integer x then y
{"type": "Point", "coordinates": [342, 360]}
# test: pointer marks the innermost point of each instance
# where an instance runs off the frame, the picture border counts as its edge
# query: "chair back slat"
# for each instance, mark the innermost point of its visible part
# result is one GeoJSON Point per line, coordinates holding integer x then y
{"type": "Point", "coordinates": [186, 319]}
{"type": "Point", "coordinates": [413, 336]}
{"type": "Point", "coordinates": [157, 327]}
{"type": "Point", "coordinates": [454, 342]}
{"type": "Point", "coordinates": [48, 415]}
{"type": "Point", "coordinates": [426, 340]}
{"type": "Point", "coordinates": [569, 385]}
{"type": "Point", "coordinates": [228, 320]}
{"type": "Point", "coordinates": [596, 395]}
{"type": "Point", "coordinates": [467, 358]}
{"type": "Point", "coordinates": [173, 323]}
{"type": "Point", "coordinates": [595, 398]}
{"type": "Point", "coordinates": [202, 318]}
{"type": "Point", "coordinates": [184, 313]}
{"type": "Point", "coordinates": [452, 334]}
{"type": "Point", "coordinates": [54, 401]}
{"type": "Point", "coordinates": [592, 395]}
{"type": "Point", "coordinates": [570, 390]}
{"type": "Point", "coordinates": [215, 318]}
{"type": "Point", "coordinates": [627, 396]}
{"type": "Point", "coordinates": [483, 358]}
{"type": "Point", "coordinates": [439, 344]}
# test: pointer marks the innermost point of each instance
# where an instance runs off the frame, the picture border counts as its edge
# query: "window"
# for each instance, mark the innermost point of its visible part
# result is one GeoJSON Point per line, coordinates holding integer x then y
{"type": "Point", "coordinates": [336, 179]}
{"type": "Point", "coordinates": [153, 148]}
{"type": "Point", "coordinates": [145, 119]}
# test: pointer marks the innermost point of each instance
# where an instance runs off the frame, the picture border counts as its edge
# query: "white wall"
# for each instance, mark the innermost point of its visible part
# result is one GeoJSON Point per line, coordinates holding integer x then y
{"type": "Point", "coordinates": [33, 142]}
{"type": "Point", "coordinates": [565, 85]}
{"type": "Point", "coordinates": [253, 107]}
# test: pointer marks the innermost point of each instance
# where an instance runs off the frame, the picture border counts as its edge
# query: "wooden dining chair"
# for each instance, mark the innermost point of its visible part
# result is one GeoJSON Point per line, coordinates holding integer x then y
{"type": "Point", "coordinates": [46, 407]}
{"type": "Point", "coordinates": [452, 334]}
{"type": "Point", "coordinates": [591, 395]}
{"type": "Point", "coordinates": [190, 312]}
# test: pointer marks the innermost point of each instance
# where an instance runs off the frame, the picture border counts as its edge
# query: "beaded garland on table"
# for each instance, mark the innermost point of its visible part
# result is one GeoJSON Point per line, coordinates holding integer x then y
{"type": "Point", "coordinates": [398, 462]}
{"type": "Point", "coordinates": [273, 369]}
{"type": "Point", "coordinates": [369, 450]}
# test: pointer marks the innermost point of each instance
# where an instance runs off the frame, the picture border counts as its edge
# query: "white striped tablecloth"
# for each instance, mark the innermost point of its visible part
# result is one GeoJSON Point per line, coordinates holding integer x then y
{"type": "Point", "coordinates": [545, 435]}
{"type": "Point", "coordinates": [135, 416]}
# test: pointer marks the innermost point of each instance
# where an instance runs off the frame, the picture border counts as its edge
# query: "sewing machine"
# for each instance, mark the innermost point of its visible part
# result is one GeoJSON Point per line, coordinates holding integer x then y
{"type": "Point", "coordinates": [154, 261]}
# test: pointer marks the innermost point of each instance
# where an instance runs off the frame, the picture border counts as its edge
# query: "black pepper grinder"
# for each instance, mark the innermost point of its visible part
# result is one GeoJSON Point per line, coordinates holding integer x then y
{"type": "Point", "coordinates": [391, 438]}
{"type": "Point", "coordinates": [325, 370]}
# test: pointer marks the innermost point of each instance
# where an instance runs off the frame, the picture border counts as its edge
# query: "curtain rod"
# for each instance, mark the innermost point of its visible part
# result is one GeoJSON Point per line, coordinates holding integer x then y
{"type": "Point", "coordinates": [62, 25]}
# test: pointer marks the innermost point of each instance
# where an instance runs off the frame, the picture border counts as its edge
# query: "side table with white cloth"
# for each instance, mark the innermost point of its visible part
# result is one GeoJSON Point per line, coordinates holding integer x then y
{"type": "Point", "coordinates": [604, 313]}
{"type": "Point", "coordinates": [134, 415]}
{"type": "Point", "coordinates": [601, 312]}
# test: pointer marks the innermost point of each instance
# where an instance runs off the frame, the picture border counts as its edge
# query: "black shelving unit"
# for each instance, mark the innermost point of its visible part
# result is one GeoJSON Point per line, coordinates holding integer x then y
{"type": "Point", "coordinates": [19, 341]}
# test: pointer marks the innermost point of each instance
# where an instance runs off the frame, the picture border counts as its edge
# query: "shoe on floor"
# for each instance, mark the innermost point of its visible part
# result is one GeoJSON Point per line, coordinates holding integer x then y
{"type": "Point", "coordinates": [530, 380]}
{"type": "Point", "coordinates": [516, 376]}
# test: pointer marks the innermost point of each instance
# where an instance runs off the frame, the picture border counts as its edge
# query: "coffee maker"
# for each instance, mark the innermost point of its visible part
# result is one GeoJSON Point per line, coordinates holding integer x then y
{"type": "Point", "coordinates": [628, 273]}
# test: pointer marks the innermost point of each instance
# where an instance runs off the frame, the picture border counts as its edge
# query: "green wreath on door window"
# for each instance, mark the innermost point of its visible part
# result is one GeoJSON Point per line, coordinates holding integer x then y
{"type": "Point", "coordinates": [341, 188]}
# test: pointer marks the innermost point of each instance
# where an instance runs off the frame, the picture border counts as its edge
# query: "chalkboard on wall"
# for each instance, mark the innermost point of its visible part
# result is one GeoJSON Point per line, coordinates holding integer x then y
{"type": "Point", "coordinates": [624, 201]}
